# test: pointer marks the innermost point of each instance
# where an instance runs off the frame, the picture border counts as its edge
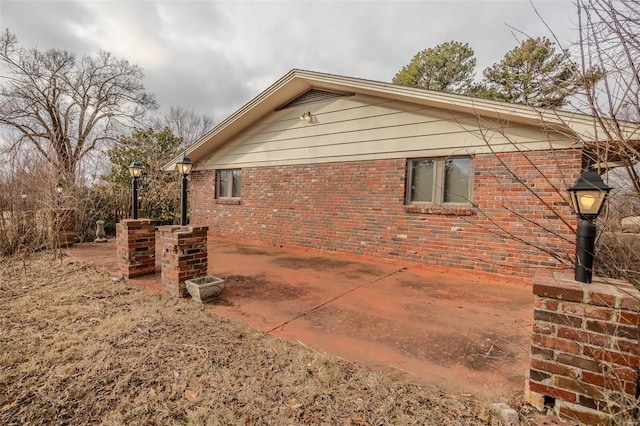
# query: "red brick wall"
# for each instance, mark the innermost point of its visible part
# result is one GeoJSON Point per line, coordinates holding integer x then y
{"type": "Point", "coordinates": [585, 351]}
{"type": "Point", "coordinates": [359, 208]}
{"type": "Point", "coordinates": [136, 247]}
{"type": "Point", "coordinates": [184, 256]}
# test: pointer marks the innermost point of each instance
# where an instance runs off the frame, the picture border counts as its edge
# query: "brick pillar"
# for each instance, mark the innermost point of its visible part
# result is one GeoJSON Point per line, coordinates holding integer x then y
{"type": "Point", "coordinates": [61, 227]}
{"type": "Point", "coordinates": [585, 350]}
{"type": "Point", "coordinates": [184, 256]}
{"type": "Point", "coordinates": [136, 247]}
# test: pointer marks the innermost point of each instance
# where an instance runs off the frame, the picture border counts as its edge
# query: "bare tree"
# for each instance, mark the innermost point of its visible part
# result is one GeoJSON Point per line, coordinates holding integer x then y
{"type": "Point", "coordinates": [29, 207]}
{"type": "Point", "coordinates": [187, 125]}
{"type": "Point", "coordinates": [64, 108]}
{"type": "Point", "coordinates": [609, 39]}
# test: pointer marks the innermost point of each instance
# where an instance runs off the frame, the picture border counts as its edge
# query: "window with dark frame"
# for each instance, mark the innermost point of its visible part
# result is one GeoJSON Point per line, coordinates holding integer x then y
{"type": "Point", "coordinates": [228, 183]}
{"type": "Point", "coordinates": [439, 181]}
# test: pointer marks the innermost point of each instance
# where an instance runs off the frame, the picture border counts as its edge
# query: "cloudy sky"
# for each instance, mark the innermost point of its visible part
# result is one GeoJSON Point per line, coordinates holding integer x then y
{"type": "Point", "coordinates": [214, 56]}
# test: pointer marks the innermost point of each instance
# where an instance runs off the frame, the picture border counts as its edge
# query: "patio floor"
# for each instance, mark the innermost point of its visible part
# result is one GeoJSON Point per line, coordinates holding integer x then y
{"type": "Point", "coordinates": [454, 330]}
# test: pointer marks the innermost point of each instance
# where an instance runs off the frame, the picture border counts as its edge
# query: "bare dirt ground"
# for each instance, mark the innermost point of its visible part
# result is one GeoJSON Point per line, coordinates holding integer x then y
{"type": "Point", "coordinates": [78, 348]}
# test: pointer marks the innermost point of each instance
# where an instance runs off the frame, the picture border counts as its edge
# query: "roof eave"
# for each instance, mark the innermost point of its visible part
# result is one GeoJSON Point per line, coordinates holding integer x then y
{"type": "Point", "coordinates": [295, 82]}
{"type": "Point", "coordinates": [251, 111]}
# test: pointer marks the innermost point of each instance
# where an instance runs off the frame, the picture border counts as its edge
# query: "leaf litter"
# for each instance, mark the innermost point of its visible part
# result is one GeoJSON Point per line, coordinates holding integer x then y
{"type": "Point", "coordinates": [77, 347]}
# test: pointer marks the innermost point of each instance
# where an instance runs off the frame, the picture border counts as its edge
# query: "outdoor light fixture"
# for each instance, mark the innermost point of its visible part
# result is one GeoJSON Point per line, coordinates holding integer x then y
{"type": "Point", "coordinates": [184, 168]}
{"type": "Point", "coordinates": [306, 117]}
{"type": "Point", "coordinates": [135, 170]}
{"type": "Point", "coordinates": [59, 188]}
{"type": "Point", "coordinates": [588, 195]}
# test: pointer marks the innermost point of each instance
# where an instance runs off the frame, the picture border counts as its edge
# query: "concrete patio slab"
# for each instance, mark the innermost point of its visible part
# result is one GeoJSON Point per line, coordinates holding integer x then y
{"type": "Point", "coordinates": [455, 330]}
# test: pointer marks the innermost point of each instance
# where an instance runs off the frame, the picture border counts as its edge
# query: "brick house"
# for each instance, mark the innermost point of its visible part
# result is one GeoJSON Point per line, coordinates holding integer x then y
{"type": "Point", "coordinates": [373, 169]}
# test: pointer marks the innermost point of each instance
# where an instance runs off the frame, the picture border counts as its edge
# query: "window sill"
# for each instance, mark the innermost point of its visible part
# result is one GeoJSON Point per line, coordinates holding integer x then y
{"type": "Point", "coordinates": [440, 209]}
{"type": "Point", "coordinates": [229, 201]}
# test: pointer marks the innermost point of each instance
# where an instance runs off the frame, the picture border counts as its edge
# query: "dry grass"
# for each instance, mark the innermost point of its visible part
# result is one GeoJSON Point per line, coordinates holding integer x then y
{"type": "Point", "coordinates": [79, 348]}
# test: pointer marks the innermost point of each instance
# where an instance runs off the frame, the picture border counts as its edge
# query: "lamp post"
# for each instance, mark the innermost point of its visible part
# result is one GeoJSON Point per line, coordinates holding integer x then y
{"type": "Point", "coordinates": [588, 195]}
{"type": "Point", "coordinates": [184, 168]}
{"type": "Point", "coordinates": [135, 170]}
{"type": "Point", "coordinates": [59, 189]}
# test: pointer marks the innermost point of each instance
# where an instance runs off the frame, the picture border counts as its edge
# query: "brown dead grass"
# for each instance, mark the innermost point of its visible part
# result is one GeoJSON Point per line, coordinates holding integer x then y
{"type": "Point", "coordinates": [78, 348]}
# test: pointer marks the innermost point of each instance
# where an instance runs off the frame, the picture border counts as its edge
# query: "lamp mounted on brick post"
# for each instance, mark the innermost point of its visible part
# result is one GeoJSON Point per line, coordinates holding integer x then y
{"type": "Point", "coordinates": [184, 168]}
{"type": "Point", "coordinates": [588, 195]}
{"type": "Point", "coordinates": [135, 170]}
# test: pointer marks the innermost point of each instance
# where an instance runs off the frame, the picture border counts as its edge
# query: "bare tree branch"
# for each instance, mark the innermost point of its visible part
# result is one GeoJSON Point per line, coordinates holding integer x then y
{"type": "Point", "coordinates": [67, 108]}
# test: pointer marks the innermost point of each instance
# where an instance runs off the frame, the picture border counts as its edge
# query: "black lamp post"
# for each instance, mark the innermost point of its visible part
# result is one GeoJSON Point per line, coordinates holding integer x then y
{"type": "Point", "coordinates": [588, 195]}
{"type": "Point", "coordinates": [135, 170]}
{"type": "Point", "coordinates": [184, 168]}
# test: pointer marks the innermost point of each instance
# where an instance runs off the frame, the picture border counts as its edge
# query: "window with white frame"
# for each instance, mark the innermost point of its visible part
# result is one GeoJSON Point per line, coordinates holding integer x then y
{"type": "Point", "coordinates": [228, 183]}
{"type": "Point", "coordinates": [439, 180]}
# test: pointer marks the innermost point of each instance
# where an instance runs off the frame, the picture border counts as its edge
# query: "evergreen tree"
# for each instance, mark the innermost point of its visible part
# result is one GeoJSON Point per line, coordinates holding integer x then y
{"type": "Point", "coordinates": [159, 190]}
{"type": "Point", "coordinates": [448, 67]}
{"type": "Point", "coordinates": [534, 74]}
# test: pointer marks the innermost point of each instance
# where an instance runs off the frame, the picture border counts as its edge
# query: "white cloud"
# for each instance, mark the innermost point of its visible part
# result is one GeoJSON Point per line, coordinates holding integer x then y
{"type": "Point", "coordinates": [214, 56]}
